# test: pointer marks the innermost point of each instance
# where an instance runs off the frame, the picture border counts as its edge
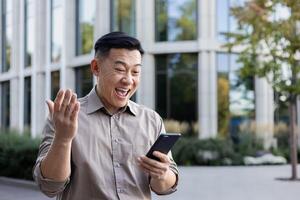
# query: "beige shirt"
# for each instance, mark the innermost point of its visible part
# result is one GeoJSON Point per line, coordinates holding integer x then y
{"type": "Point", "coordinates": [104, 153]}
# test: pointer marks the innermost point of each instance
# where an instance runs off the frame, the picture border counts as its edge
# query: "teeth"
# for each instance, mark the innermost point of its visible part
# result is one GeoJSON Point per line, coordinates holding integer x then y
{"type": "Point", "coordinates": [121, 91]}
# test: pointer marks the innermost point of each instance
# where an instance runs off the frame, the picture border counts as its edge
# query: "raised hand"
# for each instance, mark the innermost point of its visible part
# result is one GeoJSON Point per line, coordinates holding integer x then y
{"type": "Point", "coordinates": [64, 113]}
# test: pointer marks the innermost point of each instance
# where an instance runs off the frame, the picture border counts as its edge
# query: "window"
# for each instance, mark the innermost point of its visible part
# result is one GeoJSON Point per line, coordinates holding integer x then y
{"type": "Point", "coordinates": [123, 16]}
{"type": "Point", "coordinates": [175, 20]}
{"type": "Point", "coordinates": [226, 22]}
{"type": "Point", "coordinates": [27, 103]}
{"type": "Point", "coordinates": [235, 95]}
{"type": "Point", "coordinates": [6, 34]}
{"type": "Point", "coordinates": [55, 78]}
{"type": "Point", "coordinates": [85, 19]}
{"type": "Point", "coordinates": [56, 30]}
{"type": "Point", "coordinates": [83, 80]}
{"type": "Point", "coordinates": [176, 86]}
{"type": "Point", "coordinates": [5, 104]}
{"type": "Point", "coordinates": [29, 32]}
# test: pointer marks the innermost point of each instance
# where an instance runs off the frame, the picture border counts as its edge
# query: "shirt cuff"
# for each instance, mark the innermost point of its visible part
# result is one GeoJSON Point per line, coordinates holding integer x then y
{"type": "Point", "coordinates": [48, 186]}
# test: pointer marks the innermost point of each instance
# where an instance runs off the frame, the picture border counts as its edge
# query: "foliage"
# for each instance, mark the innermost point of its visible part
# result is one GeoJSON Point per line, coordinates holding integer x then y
{"type": "Point", "coordinates": [223, 106]}
{"type": "Point", "coordinates": [17, 155]}
{"type": "Point", "coordinates": [218, 151]}
{"type": "Point", "coordinates": [269, 45]}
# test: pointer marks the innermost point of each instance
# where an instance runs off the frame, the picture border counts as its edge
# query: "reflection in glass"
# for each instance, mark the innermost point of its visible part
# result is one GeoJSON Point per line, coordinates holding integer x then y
{"type": "Point", "coordinates": [175, 20]}
{"type": "Point", "coordinates": [56, 30]}
{"type": "Point", "coordinates": [123, 16]}
{"type": "Point", "coordinates": [225, 21]}
{"type": "Point", "coordinates": [5, 104]}
{"type": "Point", "coordinates": [29, 32]}
{"type": "Point", "coordinates": [27, 103]}
{"type": "Point", "coordinates": [85, 19]}
{"type": "Point", "coordinates": [6, 34]}
{"type": "Point", "coordinates": [55, 78]}
{"type": "Point", "coordinates": [83, 80]}
{"type": "Point", "coordinates": [235, 95]}
{"type": "Point", "coordinates": [176, 86]}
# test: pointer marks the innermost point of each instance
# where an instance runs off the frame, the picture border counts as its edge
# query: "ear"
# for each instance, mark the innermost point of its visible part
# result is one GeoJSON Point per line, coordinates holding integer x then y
{"type": "Point", "coordinates": [95, 67]}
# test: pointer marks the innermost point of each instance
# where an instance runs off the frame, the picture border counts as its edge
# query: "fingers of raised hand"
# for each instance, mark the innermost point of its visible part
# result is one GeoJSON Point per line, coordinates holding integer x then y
{"type": "Point", "coordinates": [66, 103]}
{"type": "Point", "coordinates": [71, 106]}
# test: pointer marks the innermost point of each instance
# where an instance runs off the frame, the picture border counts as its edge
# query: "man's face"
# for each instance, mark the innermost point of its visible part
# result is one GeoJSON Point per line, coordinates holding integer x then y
{"type": "Point", "coordinates": [118, 77]}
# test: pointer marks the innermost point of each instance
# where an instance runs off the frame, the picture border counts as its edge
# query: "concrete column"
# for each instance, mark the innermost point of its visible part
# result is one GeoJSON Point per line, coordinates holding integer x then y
{"type": "Point", "coordinates": [207, 95]}
{"type": "Point", "coordinates": [15, 109]}
{"type": "Point", "coordinates": [102, 18]}
{"type": "Point", "coordinates": [146, 94]}
{"type": "Point", "coordinates": [145, 31]}
{"type": "Point", "coordinates": [264, 111]}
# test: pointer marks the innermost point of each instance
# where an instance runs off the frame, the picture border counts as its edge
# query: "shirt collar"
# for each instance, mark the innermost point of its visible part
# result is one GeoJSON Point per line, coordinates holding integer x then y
{"type": "Point", "coordinates": [95, 103]}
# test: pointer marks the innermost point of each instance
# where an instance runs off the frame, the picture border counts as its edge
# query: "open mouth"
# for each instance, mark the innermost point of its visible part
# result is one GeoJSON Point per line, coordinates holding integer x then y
{"type": "Point", "coordinates": [122, 92]}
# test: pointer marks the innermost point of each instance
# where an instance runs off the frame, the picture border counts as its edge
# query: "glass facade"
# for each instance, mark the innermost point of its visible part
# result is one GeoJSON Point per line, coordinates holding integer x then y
{"type": "Point", "coordinates": [176, 86]}
{"type": "Point", "coordinates": [225, 21]}
{"type": "Point", "coordinates": [5, 104]}
{"type": "Point", "coordinates": [84, 80]}
{"type": "Point", "coordinates": [123, 16]}
{"type": "Point", "coordinates": [85, 19]}
{"type": "Point", "coordinates": [235, 95]}
{"type": "Point", "coordinates": [175, 20]}
{"type": "Point", "coordinates": [27, 102]}
{"type": "Point", "coordinates": [56, 30]}
{"type": "Point", "coordinates": [6, 34]}
{"type": "Point", "coordinates": [55, 79]}
{"type": "Point", "coordinates": [29, 32]}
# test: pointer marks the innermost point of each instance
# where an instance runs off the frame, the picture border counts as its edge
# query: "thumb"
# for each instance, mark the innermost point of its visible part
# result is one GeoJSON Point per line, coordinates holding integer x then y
{"type": "Point", "coordinates": [50, 106]}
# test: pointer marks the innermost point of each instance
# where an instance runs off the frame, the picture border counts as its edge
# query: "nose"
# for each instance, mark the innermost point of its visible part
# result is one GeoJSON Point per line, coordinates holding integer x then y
{"type": "Point", "coordinates": [127, 79]}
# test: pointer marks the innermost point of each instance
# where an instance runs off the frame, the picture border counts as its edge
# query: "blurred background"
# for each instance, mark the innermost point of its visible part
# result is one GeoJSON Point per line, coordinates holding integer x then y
{"type": "Point", "coordinates": [188, 76]}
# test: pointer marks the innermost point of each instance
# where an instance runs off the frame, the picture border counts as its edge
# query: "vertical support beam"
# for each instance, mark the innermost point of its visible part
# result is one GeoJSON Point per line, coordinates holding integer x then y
{"type": "Point", "coordinates": [145, 33]}
{"type": "Point", "coordinates": [207, 95]}
{"type": "Point", "coordinates": [264, 111]}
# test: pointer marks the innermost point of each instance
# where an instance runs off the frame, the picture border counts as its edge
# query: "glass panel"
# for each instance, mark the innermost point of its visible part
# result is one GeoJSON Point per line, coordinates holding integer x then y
{"type": "Point", "coordinates": [55, 78]}
{"type": "Point", "coordinates": [83, 81]}
{"type": "Point", "coordinates": [123, 16]}
{"type": "Point", "coordinates": [176, 88]}
{"type": "Point", "coordinates": [27, 103]}
{"type": "Point", "coordinates": [175, 20]}
{"type": "Point", "coordinates": [30, 33]}
{"type": "Point", "coordinates": [85, 19]}
{"type": "Point", "coordinates": [235, 96]}
{"type": "Point", "coordinates": [222, 18]}
{"type": "Point", "coordinates": [225, 22]}
{"type": "Point", "coordinates": [56, 30]}
{"type": "Point", "coordinates": [7, 36]}
{"type": "Point", "coordinates": [5, 104]}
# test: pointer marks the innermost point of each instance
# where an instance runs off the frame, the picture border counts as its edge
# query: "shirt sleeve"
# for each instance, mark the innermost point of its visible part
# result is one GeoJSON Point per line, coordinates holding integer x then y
{"type": "Point", "coordinates": [47, 186]}
{"type": "Point", "coordinates": [173, 167]}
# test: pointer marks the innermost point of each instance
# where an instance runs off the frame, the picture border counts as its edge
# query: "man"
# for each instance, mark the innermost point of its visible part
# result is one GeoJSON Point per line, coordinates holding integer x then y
{"type": "Point", "coordinates": [94, 147]}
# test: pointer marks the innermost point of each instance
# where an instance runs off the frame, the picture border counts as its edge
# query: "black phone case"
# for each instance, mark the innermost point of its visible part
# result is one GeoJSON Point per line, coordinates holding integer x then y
{"type": "Point", "coordinates": [163, 144]}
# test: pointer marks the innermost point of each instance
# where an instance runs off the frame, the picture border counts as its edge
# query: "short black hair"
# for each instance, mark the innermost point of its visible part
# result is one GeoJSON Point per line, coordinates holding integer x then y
{"type": "Point", "coordinates": [116, 40]}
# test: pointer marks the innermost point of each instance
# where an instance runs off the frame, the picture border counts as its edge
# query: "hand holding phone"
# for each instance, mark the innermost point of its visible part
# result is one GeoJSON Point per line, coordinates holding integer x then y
{"type": "Point", "coordinates": [163, 144]}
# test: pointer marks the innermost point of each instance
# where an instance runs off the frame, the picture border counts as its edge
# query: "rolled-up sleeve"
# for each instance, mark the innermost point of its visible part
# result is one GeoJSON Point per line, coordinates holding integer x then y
{"type": "Point", "coordinates": [47, 186]}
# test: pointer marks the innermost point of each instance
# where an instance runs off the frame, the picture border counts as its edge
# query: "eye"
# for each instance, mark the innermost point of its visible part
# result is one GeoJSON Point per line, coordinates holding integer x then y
{"type": "Point", "coordinates": [135, 73]}
{"type": "Point", "coordinates": [118, 69]}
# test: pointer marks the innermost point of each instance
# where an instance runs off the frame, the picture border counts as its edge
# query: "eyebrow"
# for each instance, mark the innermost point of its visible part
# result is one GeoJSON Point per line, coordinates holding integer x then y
{"type": "Point", "coordinates": [123, 63]}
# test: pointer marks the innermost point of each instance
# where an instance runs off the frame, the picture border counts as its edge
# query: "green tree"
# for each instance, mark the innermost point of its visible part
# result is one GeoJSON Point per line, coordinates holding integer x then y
{"type": "Point", "coordinates": [270, 44]}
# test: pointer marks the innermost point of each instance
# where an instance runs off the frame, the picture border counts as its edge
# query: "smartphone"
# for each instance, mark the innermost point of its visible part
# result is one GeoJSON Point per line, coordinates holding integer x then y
{"type": "Point", "coordinates": [163, 144]}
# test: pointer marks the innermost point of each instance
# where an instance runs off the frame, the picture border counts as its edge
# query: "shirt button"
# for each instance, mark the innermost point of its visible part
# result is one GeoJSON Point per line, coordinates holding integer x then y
{"type": "Point", "coordinates": [116, 140]}
{"type": "Point", "coordinates": [117, 165]}
{"type": "Point", "coordinates": [120, 190]}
